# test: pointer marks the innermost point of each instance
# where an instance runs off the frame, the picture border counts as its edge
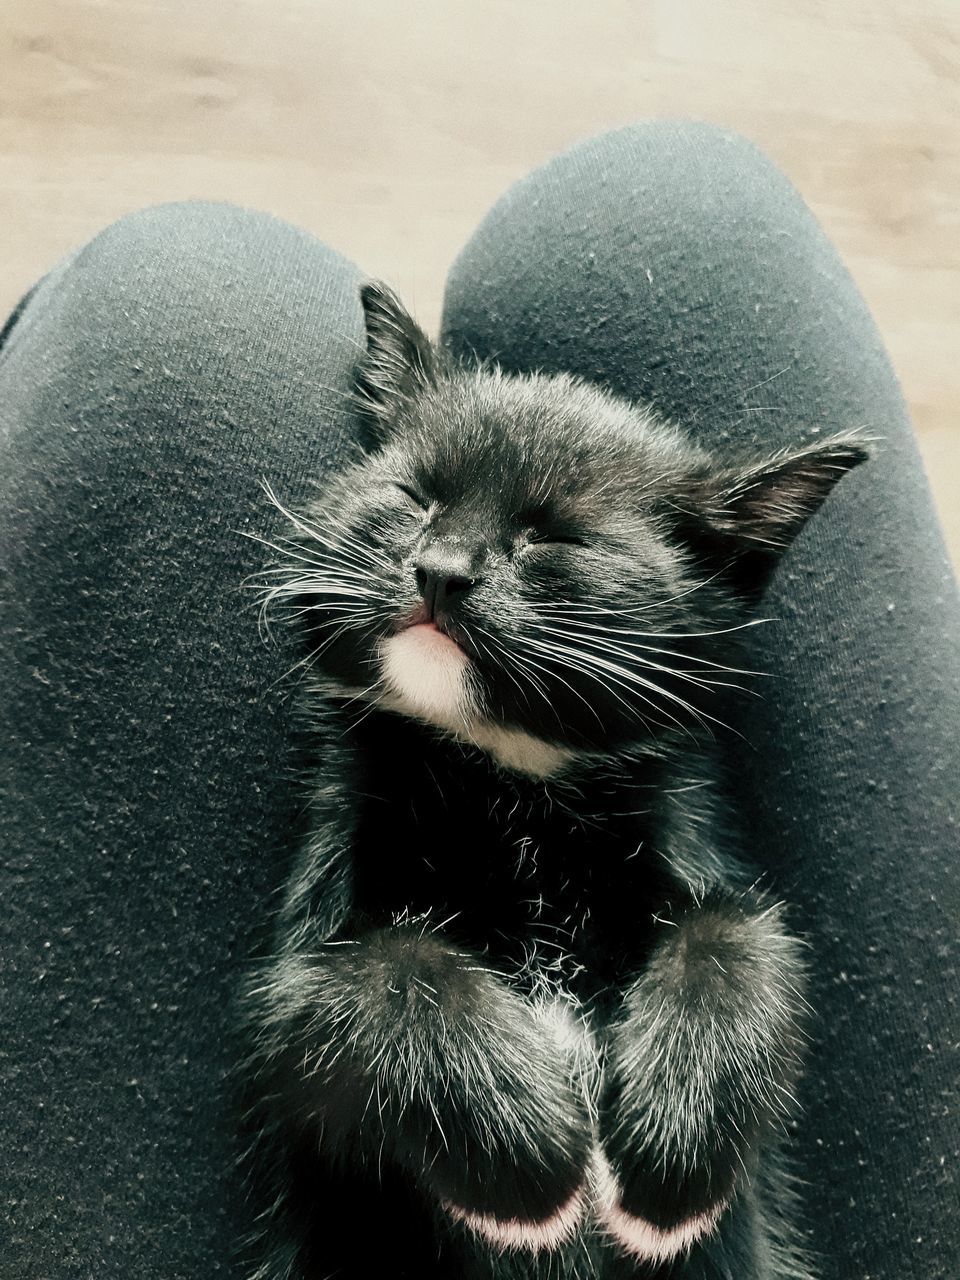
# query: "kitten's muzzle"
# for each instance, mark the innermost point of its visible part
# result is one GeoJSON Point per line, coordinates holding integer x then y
{"type": "Point", "coordinates": [444, 576]}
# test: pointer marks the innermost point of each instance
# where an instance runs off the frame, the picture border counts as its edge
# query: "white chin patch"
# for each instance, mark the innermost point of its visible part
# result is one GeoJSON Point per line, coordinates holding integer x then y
{"type": "Point", "coordinates": [514, 1233]}
{"type": "Point", "coordinates": [638, 1237]}
{"type": "Point", "coordinates": [428, 672]}
{"type": "Point", "coordinates": [427, 675]}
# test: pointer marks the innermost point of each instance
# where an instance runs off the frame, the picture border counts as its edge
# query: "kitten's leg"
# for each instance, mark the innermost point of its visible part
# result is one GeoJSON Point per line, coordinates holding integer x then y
{"type": "Point", "coordinates": [702, 1057]}
{"type": "Point", "coordinates": [396, 1048]}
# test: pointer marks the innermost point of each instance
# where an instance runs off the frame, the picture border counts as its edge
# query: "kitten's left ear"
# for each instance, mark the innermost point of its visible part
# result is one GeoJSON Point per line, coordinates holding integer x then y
{"type": "Point", "coordinates": [751, 514]}
{"type": "Point", "coordinates": [400, 361]}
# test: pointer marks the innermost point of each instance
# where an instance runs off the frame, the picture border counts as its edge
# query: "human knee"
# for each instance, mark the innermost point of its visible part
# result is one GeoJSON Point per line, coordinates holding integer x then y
{"type": "Point", "coordinates": [183, 314]}
{"type": "Point", "coordinates": [714, 160]}
{"type": "Point", "coordinates": [669, 184]}
{"type": "Point", "coordinates": [625, 256]}
{"type": "Point", "coordinates": [196, 275]}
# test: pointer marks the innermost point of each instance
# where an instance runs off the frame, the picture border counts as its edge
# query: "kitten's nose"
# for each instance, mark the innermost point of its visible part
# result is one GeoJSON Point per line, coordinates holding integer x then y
{"type": "Point", "coordinates": [443, 578]}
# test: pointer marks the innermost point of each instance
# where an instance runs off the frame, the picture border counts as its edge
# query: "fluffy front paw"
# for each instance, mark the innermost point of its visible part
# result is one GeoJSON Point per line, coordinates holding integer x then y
{"type": "Point", "coordinates": [654, 1223]}
{"type": "Point", "coordinates": [523, 1184]}
{"type": "Point", "coordinates": [504, 1141]}
{"type": "Point", "coordinates": [700, 1063]}
{"type": "Point", "coordinates": [532, 1234]}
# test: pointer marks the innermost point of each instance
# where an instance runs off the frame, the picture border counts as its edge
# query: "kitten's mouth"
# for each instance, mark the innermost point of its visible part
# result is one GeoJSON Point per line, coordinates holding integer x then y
{"type": "Point", "coordinates": [434, 635]}
{"type": "Point", "coordinates": [436, 631]}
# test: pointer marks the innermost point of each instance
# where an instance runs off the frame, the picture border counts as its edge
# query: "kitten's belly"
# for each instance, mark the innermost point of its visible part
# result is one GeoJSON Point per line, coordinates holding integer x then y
{"type": "Point", "coordinates": [508, 874]}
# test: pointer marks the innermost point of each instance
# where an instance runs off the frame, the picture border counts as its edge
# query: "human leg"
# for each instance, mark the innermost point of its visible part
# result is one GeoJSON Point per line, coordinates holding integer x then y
{"type": "Point", "coordinates": [672, 263]}
{"type": "Point", "coordinates": [146, 387]}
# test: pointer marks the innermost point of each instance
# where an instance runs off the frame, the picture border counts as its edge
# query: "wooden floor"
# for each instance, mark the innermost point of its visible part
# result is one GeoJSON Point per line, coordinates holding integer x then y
{"type": "Point", "coordinates": [388, 127]}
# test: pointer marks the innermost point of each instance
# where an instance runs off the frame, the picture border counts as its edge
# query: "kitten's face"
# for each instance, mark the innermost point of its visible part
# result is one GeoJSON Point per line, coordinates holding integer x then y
{"type": "Point", "coordinates": [530, 561]}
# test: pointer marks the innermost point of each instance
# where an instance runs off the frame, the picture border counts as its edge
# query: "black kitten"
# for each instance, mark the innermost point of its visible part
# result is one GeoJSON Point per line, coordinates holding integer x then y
{"type": "Point", "coordinates": [522, 1016]}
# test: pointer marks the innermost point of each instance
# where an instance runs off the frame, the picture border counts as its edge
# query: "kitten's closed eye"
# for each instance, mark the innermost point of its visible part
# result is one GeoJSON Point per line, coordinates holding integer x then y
{"type": "Point", "coordinates": [550, 538]}
{"type": "Point", "coordinates": [416, 499]}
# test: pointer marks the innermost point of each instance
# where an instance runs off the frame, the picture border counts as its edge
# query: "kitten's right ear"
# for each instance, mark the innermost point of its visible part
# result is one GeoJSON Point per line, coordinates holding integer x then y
{"type": "Point", "coordinates": [400, 360]}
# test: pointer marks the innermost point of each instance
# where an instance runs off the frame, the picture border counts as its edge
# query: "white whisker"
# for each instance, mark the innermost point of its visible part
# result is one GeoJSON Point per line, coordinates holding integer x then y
{"type": "Point", "coordinates": [575, 660]}
{"type": "Point", "coordinates": [698, 679]}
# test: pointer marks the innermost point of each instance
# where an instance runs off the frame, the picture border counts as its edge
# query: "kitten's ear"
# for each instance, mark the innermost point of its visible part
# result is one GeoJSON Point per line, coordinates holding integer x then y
{"type": "Point", "coordinates": [749, 515]}
{"type": "Point", "coordinates": [400, 360]}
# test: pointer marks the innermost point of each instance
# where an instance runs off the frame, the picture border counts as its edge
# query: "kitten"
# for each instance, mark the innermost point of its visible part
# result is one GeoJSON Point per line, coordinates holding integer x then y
{"type": "Point", "coordinates": [522, 1015]}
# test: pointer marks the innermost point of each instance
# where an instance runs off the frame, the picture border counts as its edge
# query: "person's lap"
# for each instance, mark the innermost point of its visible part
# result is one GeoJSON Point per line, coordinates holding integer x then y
{"type": "Point", "coordinates": [189, 351]}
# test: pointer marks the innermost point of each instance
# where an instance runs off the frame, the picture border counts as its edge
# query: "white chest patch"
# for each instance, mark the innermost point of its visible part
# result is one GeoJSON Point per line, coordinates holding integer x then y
{"type": "Point", "coordinates": [517, 750]}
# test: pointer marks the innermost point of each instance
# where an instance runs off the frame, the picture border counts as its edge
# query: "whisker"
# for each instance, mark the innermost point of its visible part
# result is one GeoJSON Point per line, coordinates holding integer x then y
{"type": "Point", "coordinates": [314, 531]}
{"type": "Point", "coordinates": [572, 660]}
{"type": "Point", "coordinates": [500, 662]}
{"type": "Point", "coordinates": [529, 668]}
{"type": "Point", "coordinates": [362, 558]}
{"type": "Point", "coordinates": [527, 659]}
{"type": "Point", "coordinates": [654, 605]}
{"type": "Point", "coordinates": [306, 662]}
{"type": "Point", "coordinates": [624, 676]}
{"type": "Point", "coordinates": [633, 681]}
{"type": "Point", "coordinates": [664, 635]}
{"type": "Point", "coordinates": [700, 680]}
{"type": "Point", "coordinates": [618, 633]}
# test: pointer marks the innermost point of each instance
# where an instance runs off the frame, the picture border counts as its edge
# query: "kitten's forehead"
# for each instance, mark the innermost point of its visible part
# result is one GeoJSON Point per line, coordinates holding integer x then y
{"type": "Point", "coordinates": [530, 440]}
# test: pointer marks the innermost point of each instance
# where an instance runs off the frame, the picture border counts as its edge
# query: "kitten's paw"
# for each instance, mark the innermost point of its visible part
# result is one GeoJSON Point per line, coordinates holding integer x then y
{"type": "Point", "coordinates": [532, 1235]}
{"type": "Point", "coordinates": [643, 1225]}
{"type": "Point", "coordinates": [528, 1195]}
{"type": "Point", "coordinates": [509, 1160]}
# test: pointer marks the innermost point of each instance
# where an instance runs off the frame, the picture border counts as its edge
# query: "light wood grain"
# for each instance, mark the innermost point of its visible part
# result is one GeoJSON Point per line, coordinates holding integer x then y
{"type": "Point", "coordinates": [388, 128]}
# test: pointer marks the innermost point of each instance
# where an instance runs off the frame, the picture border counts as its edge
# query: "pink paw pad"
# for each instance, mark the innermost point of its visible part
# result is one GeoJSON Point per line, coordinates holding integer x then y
{"type": "Point", "coordinates": [644, 1239]}
{"type": "Point", "coordinates": [518, 1233]}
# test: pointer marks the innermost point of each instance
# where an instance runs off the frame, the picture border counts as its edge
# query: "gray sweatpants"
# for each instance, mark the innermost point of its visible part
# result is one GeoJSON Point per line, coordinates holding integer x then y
{"type": "Point", "coordinates": [146, 386]}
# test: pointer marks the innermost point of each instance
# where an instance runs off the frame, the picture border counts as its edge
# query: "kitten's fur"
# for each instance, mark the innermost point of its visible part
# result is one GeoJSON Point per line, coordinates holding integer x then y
{"type": "Point", "coordinates": [522, 1016]}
